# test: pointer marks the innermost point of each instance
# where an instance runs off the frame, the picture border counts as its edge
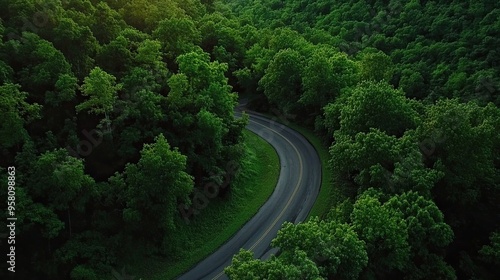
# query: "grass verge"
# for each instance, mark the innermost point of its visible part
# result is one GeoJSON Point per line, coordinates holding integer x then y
{"type": "Point", "coordinates": [222, 218]}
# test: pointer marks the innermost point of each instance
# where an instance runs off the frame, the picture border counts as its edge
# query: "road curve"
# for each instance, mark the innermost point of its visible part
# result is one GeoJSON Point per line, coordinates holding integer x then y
{"type": "Point", "coordinates": [295, 193]}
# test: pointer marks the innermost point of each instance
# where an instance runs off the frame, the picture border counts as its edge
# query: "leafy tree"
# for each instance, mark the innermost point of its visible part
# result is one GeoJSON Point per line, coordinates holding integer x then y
{"type": "Point", "coordinates": [178, 36]}
{"type": "Point", "coordinates": [326, 73]}
{"type": "Point", "coordinates": [384, 231]}
{"type": "Point", "coordinates": [155, 185]}
{"type": "Point", "coordinates": [286, 38]}
{"type": "Point", "coordinates": [142, 100]}
{"type": "Point", "coordinates": [77, 43]}
{"type": "Point", "coordinates": [282, 82]}
{"type": "Point", "coordinates": [116, 56]}
{"type": "Point", "coordinates": [6, 72]}
{"type": "Point", "coordinates": [376, 159]}
{"type": "Point", "coordinates": [491, 252]}
{"type": "Point", "coordinates": [412, 83]}
{"type": "Point", "coordinates": [150, 57]}
{"type": "Point", "coordinates": [197, 75]}
{"type": "Point", "coordinates": [459, 139]}
{"type": "Point", "coordinates": [17, 113]}
{"type": "Point", "coordinates": [31, 214]}
{"type": "Point", "coordinates": [146, 15]}
{"type": "Point", "coordinates": [94, 249]}
{"type": "Point", "coordinates": [257, 60]}
{"type": "Point", "coordinates": [375, 65]}
{"type": "Point", "coordinates": [101, 89]}
{"type": "Point", "coordinates": [149, 54]}
{"type": "Point", "coordinates": [55, 197]}
{"type": "Point", "coordinates": [60, 181]}
{"type": "Point", "coordinates": [37, 63]}
{"type": "Point", "coordinates": [218, 30]}
{"type": "Point", "coordinates": [107, 23]}
{"type": "Point", "coordinates": [376, 105]}
{"type": "Point", "coordinates": [200, 98]}
{"type": "Point", "coordinates": [294, 266]}
{"type": "Point", "coordinates": [334, 247]}
{"type": "Point", "coordinates": [427, 232]}
{"type": "Point", "coordinates": [65, 90]}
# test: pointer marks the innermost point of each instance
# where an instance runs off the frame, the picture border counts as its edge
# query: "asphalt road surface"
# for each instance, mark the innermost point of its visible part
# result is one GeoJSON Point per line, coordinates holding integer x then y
{"type": "Point", "coordinates": [295, 193]}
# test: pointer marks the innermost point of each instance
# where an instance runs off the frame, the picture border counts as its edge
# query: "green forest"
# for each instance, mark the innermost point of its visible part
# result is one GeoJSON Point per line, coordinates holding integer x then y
{"type": "Point", "coordinates": [115, 112]}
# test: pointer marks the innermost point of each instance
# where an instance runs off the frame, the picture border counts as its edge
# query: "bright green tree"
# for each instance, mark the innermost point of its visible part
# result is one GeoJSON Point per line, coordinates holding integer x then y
{"type": "Point", "coordinates": [200, 99]}
{"type": "Point", "coordinates": [326, 73]}
{"type": "Point", "coordinates": [428, 234]}
{"type": "Point", "coordinates": [375, 65]}
{"type": "Point", "coordinates": [288, 266]}
{"type": "Point", "coordinates": [375, 159]}
{"type": "Point", "coordinates": [155, 185]}
{"type": "Point", "coordinates": [376, 105]}
{"type": "Point", "coordinates": [178, 36]}
{"type": "Point", "coordinates": [59, 182]}
{"type": "Point", "coordinates": [384, 231]}
{"type": "Point", "coordinates": [101, 88]}
{"type": "Point", "coordinates": [282, 83]}
{"type": "Point", "coordinates": [334, 247]}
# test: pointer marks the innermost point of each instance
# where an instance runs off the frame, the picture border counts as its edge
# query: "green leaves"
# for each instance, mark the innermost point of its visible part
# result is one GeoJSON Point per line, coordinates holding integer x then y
{"type": "Point", "coordinates": [178, 36]}
{"type": "Point", "coordinates": [384, 231]}
{"type": "Point", "coordinates": [380, 240]}
{"type": "Point", "coordinates": [282, 81]}
{"type": "Point", "coordinates": [459, 139]}
{"type": "Point", "coordinates": [375, 159]}
{"type": "Point", "coordinates": [376, 105]}
{"type": "Point", "coordinates": [60, 181]}
{"type": "Point", "coordinates": [101, 88]}
{"type": "Point", "coordinates": [149, 53]}
{"type": "Point", "coordinates": [427, 234]}
{"type": "Point", "coordinates": [326, 73]}
{"type": "Point", "coordinates": [491, 252]}
{"type": "Point", "coordinates": [155, 184]}
{"type": "Point", "coordinates": [334, 247]}
{"type": "Point", "coordinates": [375, 65]}
{"type": "Point", "coordinates": [16, 113]}
{"type": "Point", "coordinates": [77, 43]}
{"type": "Point", "coordinates": [66, 87]}
{"type": "Point", "coordinates": [311, 250]}
{"type": "Point", "coordinates": [201, 103]}
{"type": "Point", "coordinates": [295, 266]}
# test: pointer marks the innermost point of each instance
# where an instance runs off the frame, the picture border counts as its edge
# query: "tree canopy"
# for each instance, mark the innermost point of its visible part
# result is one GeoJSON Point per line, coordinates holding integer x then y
{"type": "Point", "coordinates": [116, 112]}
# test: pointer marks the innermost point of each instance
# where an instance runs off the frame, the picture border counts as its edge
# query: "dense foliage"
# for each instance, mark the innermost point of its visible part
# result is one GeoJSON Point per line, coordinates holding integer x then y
{"type": "Point", "coordinates": [112, 113]}
{"type": "Point", "coordinates": [116, 111]}
{"type": "Point", "coordinates": [406, 95]}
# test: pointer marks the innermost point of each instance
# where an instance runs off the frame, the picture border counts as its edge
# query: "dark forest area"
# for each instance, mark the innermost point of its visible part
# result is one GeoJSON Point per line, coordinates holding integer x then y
{"type": "Point", "coordinates": [115, 112]}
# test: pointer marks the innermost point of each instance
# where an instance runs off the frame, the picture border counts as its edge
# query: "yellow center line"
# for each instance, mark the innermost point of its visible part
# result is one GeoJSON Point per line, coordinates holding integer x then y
{"type": "Point", "coordinates": [289, 200]}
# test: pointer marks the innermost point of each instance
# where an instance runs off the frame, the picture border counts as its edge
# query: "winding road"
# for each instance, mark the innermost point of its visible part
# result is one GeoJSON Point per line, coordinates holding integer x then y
{"type": "Point", "coordinates": [295, 193]}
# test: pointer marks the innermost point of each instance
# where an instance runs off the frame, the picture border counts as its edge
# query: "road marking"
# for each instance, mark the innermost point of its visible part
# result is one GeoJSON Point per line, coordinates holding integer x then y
{"type": "Point", "coordinates": [289, 200]}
